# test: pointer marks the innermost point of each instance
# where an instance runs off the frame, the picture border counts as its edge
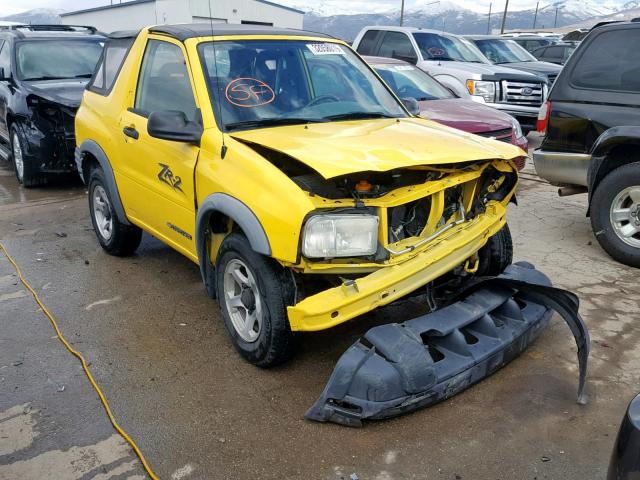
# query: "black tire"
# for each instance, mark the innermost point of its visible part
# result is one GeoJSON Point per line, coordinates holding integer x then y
{"type": "Point", "coordinates": [601, 203]}
{"type": "Point", "coordinates": [497, 254]}
{"type": "Point", "coordinates": [274, 342]}
{"type": "Point", "coordinates": [124, 239]}
{"type": "Point", "coordinates": [30, 176]}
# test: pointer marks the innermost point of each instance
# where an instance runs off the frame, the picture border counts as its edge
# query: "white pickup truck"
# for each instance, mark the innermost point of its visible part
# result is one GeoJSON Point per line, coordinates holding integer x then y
{"type": "Point", "coordinates": [457, 63]}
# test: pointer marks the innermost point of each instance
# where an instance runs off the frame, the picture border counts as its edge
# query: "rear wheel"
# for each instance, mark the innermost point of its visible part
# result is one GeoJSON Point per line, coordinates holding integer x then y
{"type": "Point", "coordinates": [615, 214]}
{"type": "Point", "coordinates": [497, 254]}
{"type": "Point", "coordinates": [115, 237]}
{"type": "Point", "coordinates": [253, 293]}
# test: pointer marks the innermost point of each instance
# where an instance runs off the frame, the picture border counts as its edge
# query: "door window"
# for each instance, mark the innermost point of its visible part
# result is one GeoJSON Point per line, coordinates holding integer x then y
{"type": "Point", "coordinates": [368, 43]}
{"type": "Point", "coordinates": [164, 81]}
{"type": "Point", "coordinates": [5, 58]}
{"type": "Point", "coordinates": [612, 62]}
{"type": "Point", "coordinates": [397, 45]}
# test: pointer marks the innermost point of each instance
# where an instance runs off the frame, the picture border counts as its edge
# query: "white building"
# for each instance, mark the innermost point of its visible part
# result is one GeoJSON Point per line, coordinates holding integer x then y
{"type": "Point", "coordinates": [135, 14]}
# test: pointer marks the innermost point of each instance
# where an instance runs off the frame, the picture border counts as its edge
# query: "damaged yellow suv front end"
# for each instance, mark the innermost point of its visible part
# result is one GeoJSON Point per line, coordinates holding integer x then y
{"type": "Point", "coordinates": [418, 199]}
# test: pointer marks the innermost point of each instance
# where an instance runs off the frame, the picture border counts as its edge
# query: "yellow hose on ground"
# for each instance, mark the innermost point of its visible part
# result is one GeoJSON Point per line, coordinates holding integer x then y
{"type": "Point", "coordinates": [79, 356]}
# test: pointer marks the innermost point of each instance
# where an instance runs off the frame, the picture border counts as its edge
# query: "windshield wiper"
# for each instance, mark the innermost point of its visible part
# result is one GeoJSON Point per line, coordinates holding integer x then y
{"type": "Point", "coordinates": [83, 75]}
{"type": "Point", "coordinates": [44, 77]}
{"type": "Point", "coordinates": [358, 116]}
{"type": "Point", "coordinates": [271, 122]}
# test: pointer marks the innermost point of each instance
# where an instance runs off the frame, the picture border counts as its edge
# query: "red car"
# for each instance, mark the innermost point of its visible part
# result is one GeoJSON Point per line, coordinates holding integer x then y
{"type": "Point", "coordinates": [441, 105]}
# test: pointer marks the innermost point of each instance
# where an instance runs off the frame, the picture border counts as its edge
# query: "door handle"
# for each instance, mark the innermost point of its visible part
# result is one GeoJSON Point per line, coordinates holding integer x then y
{"type": "Point", "coordinates": [131, 132]}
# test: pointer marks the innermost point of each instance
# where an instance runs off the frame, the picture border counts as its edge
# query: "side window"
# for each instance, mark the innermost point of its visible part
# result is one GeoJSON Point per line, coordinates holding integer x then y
{"type": "Point", "coordinates": [113, 55]}
{"type": "Point", "coordinates": [164, 81]}
{"type": "Point", "coordinates": [368, 43]}
{"type": "Point", "coordinates": [611, 62]}
{"type": "Point", "coordinates": [397, 45]}
{"type": "Point", "coordinates": [5, 57]}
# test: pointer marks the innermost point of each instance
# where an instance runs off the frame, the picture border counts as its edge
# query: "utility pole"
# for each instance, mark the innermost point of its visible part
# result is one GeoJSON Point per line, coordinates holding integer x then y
{"type": "Point", "coordinates": [402, 13]}
{"type": "Point", "coordinates": [489, 22]}
{"type": "Point", "coordinates": [555, 22]}
{"type": "Point", "coordinates": [504, 16]}
{"type": "Point", "coordinates": [535, 16]}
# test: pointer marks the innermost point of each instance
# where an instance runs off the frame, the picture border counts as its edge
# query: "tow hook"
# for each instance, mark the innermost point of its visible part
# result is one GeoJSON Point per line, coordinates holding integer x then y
{"type": "Point", "coordinates": [472, 264]}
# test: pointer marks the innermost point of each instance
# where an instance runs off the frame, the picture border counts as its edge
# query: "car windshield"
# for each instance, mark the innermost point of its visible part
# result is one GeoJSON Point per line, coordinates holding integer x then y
{"type": "Point", "coordinates": [57, 59]}
{"type": "Point", "coordinates": [434, 46]}
{"type": "Point", "coordinates": [256, 83]}
{"type": "Point", "coordinates": [504, 51]}
{"type": "Point", "coordinates": [410, 81]}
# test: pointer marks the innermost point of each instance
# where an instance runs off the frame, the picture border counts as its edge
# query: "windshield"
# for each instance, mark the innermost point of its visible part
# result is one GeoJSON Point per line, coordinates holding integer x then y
{"type": "Point", "coordinates": [409, 81]}
{"type": "Point", "coordinates": [504, 51]}
{"type": "Point", "coordinates": [443, 47]}
{"type": "Point", "coordinates": [257, 83]}
{"type": "Point", "coordinates": [57, 59]}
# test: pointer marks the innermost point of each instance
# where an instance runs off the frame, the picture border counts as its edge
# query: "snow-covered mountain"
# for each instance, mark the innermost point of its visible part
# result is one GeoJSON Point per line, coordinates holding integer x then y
{"type": "Point", "coordinates": [38, 15]}
{"type": "Point", "coordinates": [345, 18]}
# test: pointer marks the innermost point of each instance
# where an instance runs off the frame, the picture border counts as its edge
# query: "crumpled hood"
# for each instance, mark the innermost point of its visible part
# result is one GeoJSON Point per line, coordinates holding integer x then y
{"type": "Point", "coordinates": [64, 92]}
{"type": "Point", "coordinates": [466, 115]}
{"type": "Point", "coordinates": [340, 148]}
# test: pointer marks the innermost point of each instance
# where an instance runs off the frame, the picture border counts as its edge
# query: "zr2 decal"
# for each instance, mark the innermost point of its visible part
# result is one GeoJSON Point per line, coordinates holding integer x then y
{"type": "Point", "coordinates": [166, 176]}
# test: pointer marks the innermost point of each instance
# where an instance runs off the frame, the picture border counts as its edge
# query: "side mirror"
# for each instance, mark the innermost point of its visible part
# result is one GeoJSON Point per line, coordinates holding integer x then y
{"type": "Point", "coordinates": [412, 105]}
{"type": "Point", "coordinates": [174, 126]}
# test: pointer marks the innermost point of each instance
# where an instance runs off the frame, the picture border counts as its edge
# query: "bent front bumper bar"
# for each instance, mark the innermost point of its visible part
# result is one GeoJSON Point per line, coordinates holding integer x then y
{"type": "Point", "coordinates": [398, 368]}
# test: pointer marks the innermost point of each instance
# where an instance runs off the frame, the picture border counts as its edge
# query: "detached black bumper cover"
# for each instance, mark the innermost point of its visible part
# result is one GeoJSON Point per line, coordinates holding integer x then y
{"type": "Point", "coordinates": [625, 459]}
{"type": "Point", "coordinates": [399, 368]}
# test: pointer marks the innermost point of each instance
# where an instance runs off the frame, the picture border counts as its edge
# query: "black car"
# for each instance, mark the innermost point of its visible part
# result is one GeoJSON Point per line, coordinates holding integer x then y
{"type": "Point", "coordinates": [43, 72]}
{"type": "Point", "coordinates": [592, 142]}
{"type": "Point", "coordinates": [558, 53]}
{"type": "Point", "coordinates": [533, 42]}
{"type": "Point", "coordinates": [625, 459]}
{"type": "Point", "coordinates": [506, 52]}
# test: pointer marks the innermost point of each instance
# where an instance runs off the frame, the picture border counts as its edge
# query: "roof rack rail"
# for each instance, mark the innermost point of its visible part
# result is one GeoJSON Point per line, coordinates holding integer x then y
{"type": "Point", "coordinates": [602, 24]}
{"type": "Point", "coordinates": [51, 28]}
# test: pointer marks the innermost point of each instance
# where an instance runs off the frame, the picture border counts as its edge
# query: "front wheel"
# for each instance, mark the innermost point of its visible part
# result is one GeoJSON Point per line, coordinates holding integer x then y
{"type": "Point", "coordinates": [253, 293]}
{"type": "Point", "coordinates": [615, 214]}
{"type": "Point", "coordinates": [497, 254]}
{"type": "Point", "coordinates": [25, 169]}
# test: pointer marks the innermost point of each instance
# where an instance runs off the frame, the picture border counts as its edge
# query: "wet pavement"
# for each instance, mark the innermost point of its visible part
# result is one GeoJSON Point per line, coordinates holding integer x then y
{"type": "Point", "coordinates": [158, 348]}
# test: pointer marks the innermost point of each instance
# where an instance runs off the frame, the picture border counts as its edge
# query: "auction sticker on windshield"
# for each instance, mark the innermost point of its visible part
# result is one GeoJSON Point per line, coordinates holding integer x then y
{"type": "Point", "coordinates": [325, 49]}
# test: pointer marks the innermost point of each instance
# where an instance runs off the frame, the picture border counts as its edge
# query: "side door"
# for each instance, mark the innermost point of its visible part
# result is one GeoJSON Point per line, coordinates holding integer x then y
{"type": "Point", "coordinates": [398, 45]}
{"type": "Point", "coordinates": [5, 87]}
{"type": "Point", "coordinates": [158, 175]}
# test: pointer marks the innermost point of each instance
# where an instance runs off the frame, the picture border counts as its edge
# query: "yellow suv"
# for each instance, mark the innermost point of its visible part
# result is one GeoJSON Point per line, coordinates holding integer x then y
{"type": "Point", "coordinates": [280, 163]}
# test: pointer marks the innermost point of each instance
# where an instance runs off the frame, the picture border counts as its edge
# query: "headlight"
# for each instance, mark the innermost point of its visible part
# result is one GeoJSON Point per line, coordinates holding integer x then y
{"type": "Point", "coordinates": [486, 90]}
{"type": "Point", "coordinates": [517, 129]}
{"type": "Point", "coordinates": [329, 236]}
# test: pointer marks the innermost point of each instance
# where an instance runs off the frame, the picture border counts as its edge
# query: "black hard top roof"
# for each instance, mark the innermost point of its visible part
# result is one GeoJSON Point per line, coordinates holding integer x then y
{"type": "Point", "coordinates": [191, 30]}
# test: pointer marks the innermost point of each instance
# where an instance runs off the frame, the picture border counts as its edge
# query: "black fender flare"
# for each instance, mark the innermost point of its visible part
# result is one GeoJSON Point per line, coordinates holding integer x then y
{"type": "Point", "coordinates": [91, 147]}
{"type": "Point", "coordinates": [240, 214]}
{"type": "Point", "coordinates": [610, 139]}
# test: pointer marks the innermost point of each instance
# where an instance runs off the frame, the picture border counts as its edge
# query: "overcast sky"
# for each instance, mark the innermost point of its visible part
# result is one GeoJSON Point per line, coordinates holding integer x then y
{"type": "Point", "coordinates": [8, 7]}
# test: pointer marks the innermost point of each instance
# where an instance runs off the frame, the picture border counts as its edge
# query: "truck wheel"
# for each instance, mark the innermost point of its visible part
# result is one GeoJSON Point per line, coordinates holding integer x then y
{"type": "Point", "coordinates": [615, 214]}
{"type": "Point", "coordinates": [497, 254]}
{"type": "Point", "coordinates": [26, 171]}
{"type": "Point", "coordinates": [115, 237]}
{"type": "Point", "coordinates": [253, 294]}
